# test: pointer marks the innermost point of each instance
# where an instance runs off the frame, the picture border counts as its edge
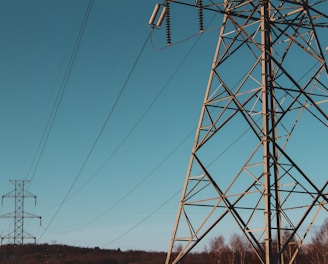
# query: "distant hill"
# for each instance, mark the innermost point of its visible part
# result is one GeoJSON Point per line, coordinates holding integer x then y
{"type": "Point", "coordinates": [55, 254]}
{"type": "Point", "coordinates": [51, 254]}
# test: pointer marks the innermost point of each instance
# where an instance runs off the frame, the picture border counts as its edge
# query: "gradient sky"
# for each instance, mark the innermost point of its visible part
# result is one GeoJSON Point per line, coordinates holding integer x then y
{"type": "Point", "coordinates": [114, 184]}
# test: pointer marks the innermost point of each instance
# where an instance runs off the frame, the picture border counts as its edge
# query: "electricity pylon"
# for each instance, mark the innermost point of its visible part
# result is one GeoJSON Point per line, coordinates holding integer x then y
{"type": "Point", "coordinates": [268, 77]}
{"type": "Point", "coordinates": [19, 194]}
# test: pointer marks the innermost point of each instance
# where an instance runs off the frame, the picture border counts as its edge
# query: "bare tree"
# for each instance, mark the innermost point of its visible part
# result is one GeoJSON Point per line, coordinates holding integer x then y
{"type": "Point", "coordinates": [218, 250]}
{"type": "Point", "coordinates": [290, 249]}
{"type": "Point", "coordinates": [319, 246]}
{"type": "Point", "coordinates": [239, 249]}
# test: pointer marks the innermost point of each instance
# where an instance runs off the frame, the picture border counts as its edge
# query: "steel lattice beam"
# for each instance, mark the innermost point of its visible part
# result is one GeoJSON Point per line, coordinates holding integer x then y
{"type": "Point", "coordinates": [19, 194]}
{"type": "Point", "coordinates": [269, 72]}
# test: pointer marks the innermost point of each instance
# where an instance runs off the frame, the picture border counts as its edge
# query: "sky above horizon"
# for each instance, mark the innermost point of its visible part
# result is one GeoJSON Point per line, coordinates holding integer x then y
{"type": "Point", "coordinates": [100, 116]}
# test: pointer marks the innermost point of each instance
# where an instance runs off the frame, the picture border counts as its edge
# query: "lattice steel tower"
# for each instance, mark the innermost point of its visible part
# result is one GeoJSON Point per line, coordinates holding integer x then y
{"type": "Point", "coordinates": [268, 78]}
{"type": "Point", "coordinates": [19, 194]}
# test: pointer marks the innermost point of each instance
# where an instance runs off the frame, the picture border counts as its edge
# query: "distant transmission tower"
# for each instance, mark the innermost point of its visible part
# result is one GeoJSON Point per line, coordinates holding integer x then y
{"type": "Point", "coordinates": [19, 194]}
{"type": "Point", "coordinates": [268, 78]}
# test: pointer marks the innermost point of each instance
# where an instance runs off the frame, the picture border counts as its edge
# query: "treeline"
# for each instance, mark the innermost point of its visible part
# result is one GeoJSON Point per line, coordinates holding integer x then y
{"type": "Point", "coordinates": [55, 254]}
{"type": "Point", "coordinates": [219, 251]}
{"type": "Point", "coordinates": [237, 250]}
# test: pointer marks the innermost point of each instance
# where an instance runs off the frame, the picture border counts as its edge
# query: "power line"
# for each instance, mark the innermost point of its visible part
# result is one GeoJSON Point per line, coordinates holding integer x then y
{"type": "Point", "coordinates": [44, 139]}
{"type": "Point", "coordinates": [64, 85]}
{"type": "Point", "coordinates": [99, 135]}
{"type": "Point", "coordinates": [125, 139]}
{"type": "Point", "coordinates": [143, 219]}
{"type": "Point", "coordinates": [135, 187]}
{"type": "Point", "coordinates": [143, 115]}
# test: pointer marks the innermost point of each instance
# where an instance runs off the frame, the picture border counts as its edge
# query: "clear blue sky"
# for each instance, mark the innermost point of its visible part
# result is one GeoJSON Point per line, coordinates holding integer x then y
{"type": "Point", "coordinates": [116, 190]}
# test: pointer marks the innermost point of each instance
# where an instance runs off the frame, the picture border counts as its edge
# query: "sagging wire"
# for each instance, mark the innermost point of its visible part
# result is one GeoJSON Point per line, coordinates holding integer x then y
{"type": "Point", "coordinates": [66, 197]}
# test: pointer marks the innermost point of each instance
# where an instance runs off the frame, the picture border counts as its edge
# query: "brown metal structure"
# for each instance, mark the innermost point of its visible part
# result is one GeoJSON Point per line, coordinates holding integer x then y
{"type": "Point", "coordinates": [268, 77]}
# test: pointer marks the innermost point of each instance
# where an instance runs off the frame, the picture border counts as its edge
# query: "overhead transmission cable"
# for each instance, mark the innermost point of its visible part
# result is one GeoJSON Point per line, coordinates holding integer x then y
{"type": "Point", "coordinates": [47, 130]}
{"type": "Point", "coordinates": [98, 136]}
{"type": "Point", "coordinates": [143, 115]}
{"type": "Point", "coordinates": [151, 104]}
{"type": "Point", "coordinates": [45, 136]}
{"type": "Point", "coordinates": [62, 89]}
{"type": "Point", "coordinates": [143, 219]}
{"type": "Point", "coordinates": [135, 187]}
{"type": "Point", "coordinates": [119, 146]}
